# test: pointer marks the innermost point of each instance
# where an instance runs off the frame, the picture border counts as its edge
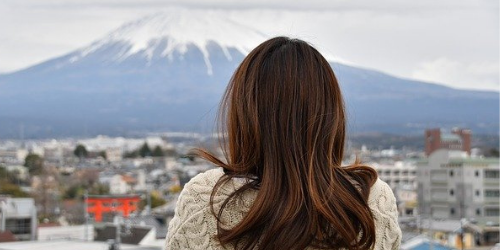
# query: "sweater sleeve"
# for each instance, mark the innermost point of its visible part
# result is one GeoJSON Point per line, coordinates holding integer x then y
{"type": "Point", "coordinates": [383, 206]}
{"type": "Point", "coordinates": [192, 223]}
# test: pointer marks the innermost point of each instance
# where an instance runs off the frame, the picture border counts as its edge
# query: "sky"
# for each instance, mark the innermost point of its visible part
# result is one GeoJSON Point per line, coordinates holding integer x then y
{"type": "Point", "coordinates": [451, 42]}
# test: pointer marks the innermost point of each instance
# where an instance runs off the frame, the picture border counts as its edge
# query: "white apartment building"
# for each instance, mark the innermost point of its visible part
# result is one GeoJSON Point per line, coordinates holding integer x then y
{"type": "Point", "coordinates": [453, 185]}
{"type": "Point", "coordinates": [400, 173]}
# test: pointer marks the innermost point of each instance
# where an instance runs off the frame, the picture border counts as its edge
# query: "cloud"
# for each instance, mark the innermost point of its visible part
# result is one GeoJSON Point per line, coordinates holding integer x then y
{"type": "Point", "coordinates": [477, 75]}
{"type": "Point", "coordinates": [337, 5]}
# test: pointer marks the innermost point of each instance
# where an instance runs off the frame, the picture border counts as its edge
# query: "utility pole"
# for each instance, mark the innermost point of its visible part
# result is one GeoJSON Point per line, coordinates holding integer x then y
{"type": "Point", "coordinates": [118, 232]}
{"type": "Point", "coordinates": [462, 207]}
{"type": "Point", "coordinates": [3, 213]}
{"type": "Point", "coordinates": [86, 215]}
{"type": "Point", "coordinates": [149, 201]}
{"type": "Point", "coordinates": [431, 242]}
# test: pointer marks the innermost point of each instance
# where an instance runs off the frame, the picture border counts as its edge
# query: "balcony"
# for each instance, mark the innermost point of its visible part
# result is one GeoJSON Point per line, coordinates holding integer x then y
{"type": "Point", "coordinates": [439, 178]}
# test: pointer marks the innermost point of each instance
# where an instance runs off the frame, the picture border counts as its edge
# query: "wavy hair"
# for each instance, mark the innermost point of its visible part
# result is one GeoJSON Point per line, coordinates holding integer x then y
{"type": "Point", "coordinates": [283, 123]}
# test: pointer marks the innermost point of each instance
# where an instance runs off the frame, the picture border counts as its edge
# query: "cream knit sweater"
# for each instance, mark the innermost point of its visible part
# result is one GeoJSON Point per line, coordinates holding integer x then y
{"type": "Point", "coordinates": [194, 226]}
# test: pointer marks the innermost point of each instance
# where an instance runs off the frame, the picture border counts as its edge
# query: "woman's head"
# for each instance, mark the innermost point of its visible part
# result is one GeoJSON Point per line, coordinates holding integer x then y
{"type": "Point", "coordinates": [284, 100]}
{"type": "Point", "coordinates": [284, 123]}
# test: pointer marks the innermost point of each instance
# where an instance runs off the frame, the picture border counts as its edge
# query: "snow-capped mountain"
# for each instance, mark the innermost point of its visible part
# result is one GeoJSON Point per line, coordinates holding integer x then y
{"type": "Point", "coordinates": [168, 71]}
{"type": "Point", "coordinates": [171, 34]}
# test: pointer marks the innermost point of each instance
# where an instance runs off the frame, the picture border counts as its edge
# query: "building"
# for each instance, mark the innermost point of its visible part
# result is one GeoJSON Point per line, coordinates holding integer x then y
{"type": "Point", "coordinates": [453, 185]}
{"type": "Point", "coordinates": [458, 139]}
{"type": "Point", "coordinates": [103, 143]}
{"type": "Point", "coordinates": [105, 207]}
{"type": "Point", "coordinates": [13, 155]}
{"type": "Point", "coordinates": [423, 243]}
{"type": "Point", "coordinates": [397, 174]}
{"type": "Point", "coordinates": [113, 154]}
{"type": "Point", "coordinates": [74, 245]}
{"type": "Point", "coordinates": [122, 184]}
{"type": "Point", "coordinates": [129, 234]}
{"type": "Point", "coordinates": [74, 232]}
{"type": "Point", "coordinates": [18, 216]}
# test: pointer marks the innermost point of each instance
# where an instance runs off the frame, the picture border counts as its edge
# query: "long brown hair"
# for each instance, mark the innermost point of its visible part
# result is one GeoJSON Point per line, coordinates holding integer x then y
{"type": "Point", "coordinates": [283, 126]}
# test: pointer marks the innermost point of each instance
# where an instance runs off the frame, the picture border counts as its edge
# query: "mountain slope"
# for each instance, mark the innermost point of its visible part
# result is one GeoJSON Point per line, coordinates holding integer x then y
{"type": "Point", "coordinates": [168, 71]}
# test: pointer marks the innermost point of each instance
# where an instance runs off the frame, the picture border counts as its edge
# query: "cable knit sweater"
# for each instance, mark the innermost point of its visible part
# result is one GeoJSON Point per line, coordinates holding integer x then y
{"type": "Point", "coordinates": [194, 226]}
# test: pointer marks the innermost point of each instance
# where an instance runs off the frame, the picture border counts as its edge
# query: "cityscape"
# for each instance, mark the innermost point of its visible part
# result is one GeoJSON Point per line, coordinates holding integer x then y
{"type": "Point", "coordinates": [114, 190]}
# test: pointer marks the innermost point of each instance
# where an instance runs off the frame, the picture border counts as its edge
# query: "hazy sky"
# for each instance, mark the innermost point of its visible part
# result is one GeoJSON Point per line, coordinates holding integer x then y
{"type": "Point", "coordinates": [454, 42]}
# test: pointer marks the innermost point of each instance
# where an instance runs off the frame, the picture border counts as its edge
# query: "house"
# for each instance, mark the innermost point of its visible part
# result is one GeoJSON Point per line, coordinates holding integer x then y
{"type": "Point", "coordinates": [122, 184]}
{"type": "Point", "coordinates": [18, 216]}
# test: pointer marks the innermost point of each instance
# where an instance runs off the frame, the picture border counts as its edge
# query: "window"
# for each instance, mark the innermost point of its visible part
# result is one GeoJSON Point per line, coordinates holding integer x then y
{"type": "Point", "coordinates": [492, 174]}
{"type": "Point", "coordinates": [18, 226]}
{"type": "Point", "coordinates": [478, 211]}
{"type": "Point", "coordinates": [451, 173]}
{"type": "Point", "coordinates": [492, 193]}
{"type": "Point", "coordinates": [452, 192]}
{"type": "Point", "coordinates": [476, 173]}
{"type": "Point", "coordinates": [492, 212]}
{"type": "Point", "coordinates": [478, 193]}
{"type": "Point", "coordinates": [452, 211]}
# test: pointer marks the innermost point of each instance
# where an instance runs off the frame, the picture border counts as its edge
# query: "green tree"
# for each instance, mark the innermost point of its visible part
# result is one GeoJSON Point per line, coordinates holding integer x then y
{"type": "Point", "coordinates": [494, 152]}
{"type": "Point", "coordinates": [5, 175]}
{"type": "Point", "coordinates": [158, 152]}
{"type": "Point", "coordinates": [76, 191]}
{"type": "Point", "coordinates": [73, 192]}
{"type": "Point", "coordinates": [34, 163]}
{"type": "Point", "coordinates": [156, 200]}
{"type": "Point", "coordinates": [145, 150]}
{"type": "Point", "coordinates": [103, 155]}
{"type": "Point", "coordinates": [132, 154]}
{"type": "Point", "coordinates": [99, 189]}
{"type": "Point", "coordinates": [80, 151]}
{"type": "Point", "coordinates": [12, 190]}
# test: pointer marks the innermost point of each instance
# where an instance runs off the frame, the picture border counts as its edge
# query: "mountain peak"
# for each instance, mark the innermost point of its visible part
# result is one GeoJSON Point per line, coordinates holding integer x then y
{"type": "Point", "coordinates": [173, 31]}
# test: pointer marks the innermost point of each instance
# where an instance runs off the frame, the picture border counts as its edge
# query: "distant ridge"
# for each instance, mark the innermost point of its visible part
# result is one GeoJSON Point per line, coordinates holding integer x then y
{"type": "Point", "coordinates": [167, 72]}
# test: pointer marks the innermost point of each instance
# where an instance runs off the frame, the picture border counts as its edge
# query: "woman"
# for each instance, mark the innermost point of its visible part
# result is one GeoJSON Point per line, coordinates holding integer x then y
{"type": "Point", "coordinates": [282, 185]}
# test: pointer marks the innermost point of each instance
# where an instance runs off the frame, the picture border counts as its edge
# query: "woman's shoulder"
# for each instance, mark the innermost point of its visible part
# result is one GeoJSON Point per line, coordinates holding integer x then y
{"type": "Point", "coordinates": [381, 196]}
{"type": "Point", "coordinates": [206, 179]}
{"type": "Point", "coordinates": [379, 188]}
{"type": "Point", "coordinates": [202, 186]}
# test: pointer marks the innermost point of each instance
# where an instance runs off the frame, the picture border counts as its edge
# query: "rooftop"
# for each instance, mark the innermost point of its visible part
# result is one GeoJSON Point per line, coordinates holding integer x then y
{"type": "Point", "coordinates": [468, 160]}
{"type": "Point", "coordinates": [67, 244]}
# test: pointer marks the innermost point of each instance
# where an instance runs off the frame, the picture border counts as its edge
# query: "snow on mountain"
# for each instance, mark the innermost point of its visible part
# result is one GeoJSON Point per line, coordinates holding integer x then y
{"type": "Point", "coordinates": [173, 31]}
